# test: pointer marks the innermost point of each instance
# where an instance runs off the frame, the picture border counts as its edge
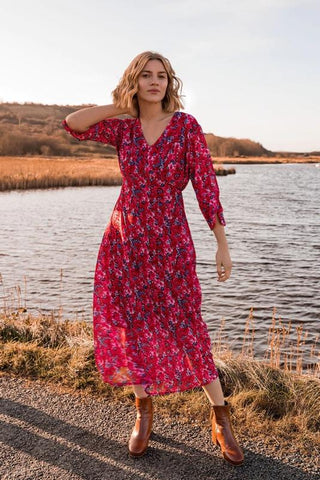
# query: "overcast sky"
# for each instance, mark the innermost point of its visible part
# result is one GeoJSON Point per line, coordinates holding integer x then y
{"type": "Point", "coordinates": [250, 68]}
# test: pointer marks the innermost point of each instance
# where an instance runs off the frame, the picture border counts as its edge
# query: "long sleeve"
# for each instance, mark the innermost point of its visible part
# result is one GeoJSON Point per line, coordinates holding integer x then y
{"type": "Point", "coordinates": [202, 174]}
{"type": "Point", "coordinates": [106, 131]}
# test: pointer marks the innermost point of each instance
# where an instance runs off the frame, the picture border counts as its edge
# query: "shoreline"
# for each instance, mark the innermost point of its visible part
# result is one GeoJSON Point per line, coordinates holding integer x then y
{"type": "Point", "coordinates": [266, 160]}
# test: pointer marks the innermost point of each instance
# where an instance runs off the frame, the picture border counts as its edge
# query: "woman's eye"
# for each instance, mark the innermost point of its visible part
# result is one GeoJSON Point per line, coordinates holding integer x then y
{"type": "Point", "coordinates": [147, 75]}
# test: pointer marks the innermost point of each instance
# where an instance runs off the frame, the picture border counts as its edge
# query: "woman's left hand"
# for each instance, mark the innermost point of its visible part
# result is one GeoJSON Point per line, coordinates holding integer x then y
{"type": "Point", "coordinates": [223, 263]}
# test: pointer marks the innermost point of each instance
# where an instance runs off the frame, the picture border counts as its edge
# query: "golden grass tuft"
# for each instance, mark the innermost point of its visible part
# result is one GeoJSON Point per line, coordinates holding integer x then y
{"type": "Point", "coordinates": [44, 330]}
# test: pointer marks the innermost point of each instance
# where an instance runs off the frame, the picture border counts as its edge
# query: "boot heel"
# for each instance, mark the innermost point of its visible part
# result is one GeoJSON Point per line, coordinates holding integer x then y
{"type": "Point", "coordinates": [214, 434]}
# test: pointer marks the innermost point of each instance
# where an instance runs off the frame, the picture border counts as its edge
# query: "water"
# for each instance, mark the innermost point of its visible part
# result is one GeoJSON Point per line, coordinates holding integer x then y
{"type": "Point", "coordinates": [50, 240]}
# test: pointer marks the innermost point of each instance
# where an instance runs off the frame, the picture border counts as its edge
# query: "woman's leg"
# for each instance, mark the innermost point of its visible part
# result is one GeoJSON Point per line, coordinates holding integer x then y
{"type": "Point", "coordinates": [222, 431]}
{"type": "Point", "coordinates": [214, 392]}
{"type": "Point", "coordinates": [141, 432]}
{"type": "Point", "coordinates": [139, 391]}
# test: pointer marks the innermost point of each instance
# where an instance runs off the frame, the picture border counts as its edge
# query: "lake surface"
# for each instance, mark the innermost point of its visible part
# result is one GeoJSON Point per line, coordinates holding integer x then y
{"type": "Point", "coordinates": [49, 242]}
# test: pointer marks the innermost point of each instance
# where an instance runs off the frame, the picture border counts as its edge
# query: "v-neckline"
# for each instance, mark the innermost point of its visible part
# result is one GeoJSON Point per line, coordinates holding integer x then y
{"type": "Point", "coordinates": [162, 134]}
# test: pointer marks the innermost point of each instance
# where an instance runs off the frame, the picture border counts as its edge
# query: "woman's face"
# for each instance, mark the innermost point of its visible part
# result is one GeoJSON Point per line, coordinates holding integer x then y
{"type": "Point", "coordinates": [152, 82]}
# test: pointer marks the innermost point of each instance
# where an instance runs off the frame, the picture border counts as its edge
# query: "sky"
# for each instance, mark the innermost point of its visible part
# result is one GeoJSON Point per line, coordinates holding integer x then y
{"type": "Point", "coordinates": [250, 68]}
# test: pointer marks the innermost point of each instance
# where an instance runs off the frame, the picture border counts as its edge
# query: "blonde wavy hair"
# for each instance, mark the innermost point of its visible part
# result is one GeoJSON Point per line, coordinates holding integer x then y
{"type": "Point", "coordinates": [125, 94]}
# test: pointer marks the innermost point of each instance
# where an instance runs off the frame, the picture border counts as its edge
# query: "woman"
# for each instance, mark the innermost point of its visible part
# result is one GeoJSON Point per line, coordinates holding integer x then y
{"type": "Point", "coordinates": [148, 329]}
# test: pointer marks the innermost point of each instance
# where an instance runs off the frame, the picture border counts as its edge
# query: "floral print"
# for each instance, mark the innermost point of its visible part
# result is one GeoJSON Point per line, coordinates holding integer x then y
{"type": "Point", "coordinates": [147, 321]}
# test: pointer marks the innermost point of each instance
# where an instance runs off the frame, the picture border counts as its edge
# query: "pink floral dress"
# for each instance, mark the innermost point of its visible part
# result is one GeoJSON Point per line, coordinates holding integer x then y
{"type": "Point", "coordinates": [147, 321]}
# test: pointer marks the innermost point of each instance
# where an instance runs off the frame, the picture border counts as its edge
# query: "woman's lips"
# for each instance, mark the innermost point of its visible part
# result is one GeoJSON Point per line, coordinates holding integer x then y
{"type": "Point", "coordinates": [154, 91]}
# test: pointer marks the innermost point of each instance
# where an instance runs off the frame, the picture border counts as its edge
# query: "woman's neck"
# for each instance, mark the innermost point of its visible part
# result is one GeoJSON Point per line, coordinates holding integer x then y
{"type": "Point", "coordinates": [150, 111]}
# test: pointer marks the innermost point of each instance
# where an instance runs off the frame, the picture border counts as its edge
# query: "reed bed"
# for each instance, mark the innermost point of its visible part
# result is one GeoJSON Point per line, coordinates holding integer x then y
{"type": "Point", "coordinates": [21, 173]}
{"type": "Point", "coordinates": [265, 395]}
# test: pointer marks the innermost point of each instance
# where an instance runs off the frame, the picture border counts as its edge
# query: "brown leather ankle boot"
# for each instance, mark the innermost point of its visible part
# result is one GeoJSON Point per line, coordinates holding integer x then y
{"type": "Point", "coordinates": [141, 432]}
{"type": "Point", "coordinates": [223, 436]}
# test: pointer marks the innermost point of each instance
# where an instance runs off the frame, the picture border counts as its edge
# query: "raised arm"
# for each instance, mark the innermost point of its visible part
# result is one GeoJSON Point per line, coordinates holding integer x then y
{"type": "Point", "coordinates": [82, 119]}
{"type": "Point", "coordinates": [98, 124]}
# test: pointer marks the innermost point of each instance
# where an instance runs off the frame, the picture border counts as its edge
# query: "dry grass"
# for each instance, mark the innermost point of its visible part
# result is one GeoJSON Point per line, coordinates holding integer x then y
{"type": "Point", "coordinates": [39, 172]}
{"type": "Point", "coordinates": [286, 348]}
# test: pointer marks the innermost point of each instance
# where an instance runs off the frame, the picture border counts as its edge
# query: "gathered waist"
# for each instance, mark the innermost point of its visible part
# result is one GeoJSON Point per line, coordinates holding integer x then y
{"type": "Point", "coordinates": [150, 189]}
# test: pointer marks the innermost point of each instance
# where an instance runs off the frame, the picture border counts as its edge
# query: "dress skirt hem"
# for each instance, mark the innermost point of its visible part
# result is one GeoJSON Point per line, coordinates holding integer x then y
{"type": "Point", "coordinates": [155, 393]}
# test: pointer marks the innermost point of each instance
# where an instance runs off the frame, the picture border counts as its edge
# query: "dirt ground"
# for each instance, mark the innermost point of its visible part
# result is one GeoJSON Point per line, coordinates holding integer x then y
{"type": "Point", "coordinates": [53, 434]}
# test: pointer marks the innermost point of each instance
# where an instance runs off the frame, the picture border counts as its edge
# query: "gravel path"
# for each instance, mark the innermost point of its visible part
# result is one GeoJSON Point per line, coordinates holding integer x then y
{"type": "Point", "coordinates": [52, 435]}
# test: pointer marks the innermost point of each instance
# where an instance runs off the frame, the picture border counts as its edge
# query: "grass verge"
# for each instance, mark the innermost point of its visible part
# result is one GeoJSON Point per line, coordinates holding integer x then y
{"type": "Point", "coordinates": [263, 398]}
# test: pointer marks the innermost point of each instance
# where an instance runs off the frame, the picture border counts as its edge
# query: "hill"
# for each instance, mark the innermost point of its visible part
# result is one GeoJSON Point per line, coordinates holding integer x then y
{"type": "Point", "coordinates": [35, 129]}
